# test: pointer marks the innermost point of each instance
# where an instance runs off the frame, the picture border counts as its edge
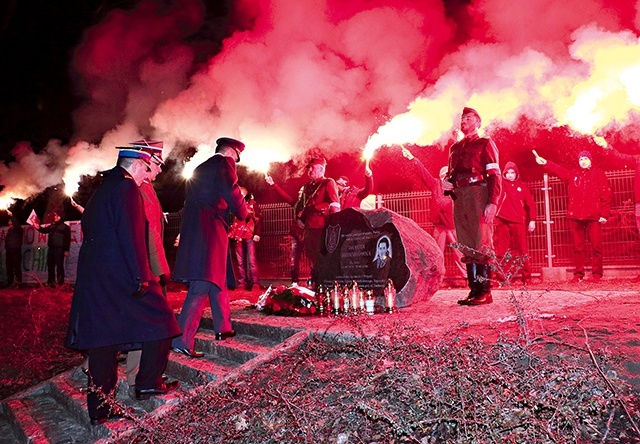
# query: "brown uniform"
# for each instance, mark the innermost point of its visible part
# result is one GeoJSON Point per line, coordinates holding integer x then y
{"type": "Point", "coordinates": [315, 201]}
{"type": "Point", "coordinates": [475, 174]}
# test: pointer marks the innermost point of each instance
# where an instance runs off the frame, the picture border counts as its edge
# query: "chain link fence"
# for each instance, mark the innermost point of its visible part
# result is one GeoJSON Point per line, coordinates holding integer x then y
{"type": "Point", "coordinates": [547, 247]}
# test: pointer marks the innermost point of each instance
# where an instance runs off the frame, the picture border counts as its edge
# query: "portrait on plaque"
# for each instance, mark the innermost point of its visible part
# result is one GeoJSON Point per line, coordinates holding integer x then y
{"type": "Point", "coordinates": [379, 268]}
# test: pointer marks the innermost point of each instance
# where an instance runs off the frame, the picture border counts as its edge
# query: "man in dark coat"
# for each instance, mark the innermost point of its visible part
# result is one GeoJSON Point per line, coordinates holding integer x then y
{"type": "Point", "coordinates": [211, 193]}
{"type": "Point", "coordinates": [117, 303]}
{"type": "Point", "coordinates": [589, 207]}
{"type": "Point", "coordinates": [58, 245]}
{"type": "Point", "coordinates": [13, 248]}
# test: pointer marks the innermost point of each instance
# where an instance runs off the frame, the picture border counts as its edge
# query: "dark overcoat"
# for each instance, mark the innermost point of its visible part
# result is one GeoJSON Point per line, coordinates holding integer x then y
{"type": "Point", "coordinates": [112, 262]}
{"type": "Point", "coordinates": [211, 194]}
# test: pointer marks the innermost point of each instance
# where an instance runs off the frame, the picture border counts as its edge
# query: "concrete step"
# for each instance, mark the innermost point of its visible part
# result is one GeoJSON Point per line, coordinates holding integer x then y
{"type": "Point", "coordinates": [6, 430]}
{"type": "Point", "coordinates": [55, 410]}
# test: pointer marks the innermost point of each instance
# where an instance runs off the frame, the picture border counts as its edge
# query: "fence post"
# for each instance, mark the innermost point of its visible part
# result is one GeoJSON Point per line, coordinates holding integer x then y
{"type": "Point", "coordinates": [547, 219]}
{"type": "Point", "coordinates": [550, 273]}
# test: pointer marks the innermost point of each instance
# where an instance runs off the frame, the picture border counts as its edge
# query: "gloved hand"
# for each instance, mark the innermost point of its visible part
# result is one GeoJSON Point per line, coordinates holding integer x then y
{"type": "Point", "coordinates": [532, 225]}
{"type": "Point", "coordinates": [256, 238]}
{"type": "Point", "coordinates": [141, 291]}
{"type": "Point", "coordinates": [602, 220]}
{"type": "Point", "coordinates": [268, 179]}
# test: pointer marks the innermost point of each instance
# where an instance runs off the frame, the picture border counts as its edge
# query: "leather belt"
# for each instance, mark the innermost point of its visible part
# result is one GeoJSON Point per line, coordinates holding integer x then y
{"type": "Point", "coordinates": [471, 180]}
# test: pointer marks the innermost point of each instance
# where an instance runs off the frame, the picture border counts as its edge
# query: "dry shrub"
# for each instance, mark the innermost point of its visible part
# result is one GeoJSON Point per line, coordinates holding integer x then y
{"type": "Point", "coordinates": [34, 323]}
{"type": "Point", "coordinates": [402, 385]}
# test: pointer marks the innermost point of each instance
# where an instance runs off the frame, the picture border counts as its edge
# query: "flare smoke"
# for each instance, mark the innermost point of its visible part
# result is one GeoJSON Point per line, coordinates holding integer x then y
{"type": "Point", "coordinates": [340, 76]}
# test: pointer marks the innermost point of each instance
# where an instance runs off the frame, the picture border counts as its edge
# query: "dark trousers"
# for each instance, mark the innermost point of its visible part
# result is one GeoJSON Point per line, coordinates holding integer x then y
{"type": "Point", "coordinates": [55, 265]}
{"type": "Point", "coordinates": [193, 307]}
{"type": "Point", "coordinates": [581, 229]}
{"type": "Point", "coordinates": [473, 232]}
{"type": "Point", "coordinates": [312, 245]}
{"type": "Point", "coordinates": [247, 262]}
{"type": "Point", "coordinates": [103, 370]}
{"type": "Point", "coordinates": [297, 247]}
{"type": "Point", "coordinates": [511, 237]}
{"type": "Point", "coordinates": [14, 266]}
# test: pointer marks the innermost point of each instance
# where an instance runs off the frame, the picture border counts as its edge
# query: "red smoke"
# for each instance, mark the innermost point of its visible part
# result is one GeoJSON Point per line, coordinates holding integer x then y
{"type": "Point", "coordinates": [302, 74]}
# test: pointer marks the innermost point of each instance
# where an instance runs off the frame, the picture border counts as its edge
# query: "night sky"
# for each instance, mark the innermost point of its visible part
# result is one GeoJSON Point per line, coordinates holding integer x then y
{"type": "Point", "coordinates": [36, 40]}
{"type": "Point", "coordinates": [40, 89]}
{"type": "Point", "coordinates": [292, 78]}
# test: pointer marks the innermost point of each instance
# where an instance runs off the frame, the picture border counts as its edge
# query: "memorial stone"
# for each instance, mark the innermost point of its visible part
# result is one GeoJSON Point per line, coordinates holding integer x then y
{"type": "Point", "coordinates": [371, 246]}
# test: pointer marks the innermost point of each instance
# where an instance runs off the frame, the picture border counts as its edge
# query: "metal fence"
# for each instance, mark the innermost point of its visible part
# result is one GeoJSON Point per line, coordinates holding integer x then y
{"type": "Point", "coordinates": [621, 241]}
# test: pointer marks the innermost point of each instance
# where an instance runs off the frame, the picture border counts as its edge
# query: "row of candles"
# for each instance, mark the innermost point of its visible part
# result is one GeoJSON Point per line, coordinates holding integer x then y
{"type": "Point", "coordinates": [353, 300]}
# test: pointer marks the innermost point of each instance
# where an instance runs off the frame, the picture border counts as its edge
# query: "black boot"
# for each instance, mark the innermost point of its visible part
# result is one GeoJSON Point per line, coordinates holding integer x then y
{"type": "Point", "coordinates": [472, 272]}
{"type": "Point", "coordinates": [483, 276]}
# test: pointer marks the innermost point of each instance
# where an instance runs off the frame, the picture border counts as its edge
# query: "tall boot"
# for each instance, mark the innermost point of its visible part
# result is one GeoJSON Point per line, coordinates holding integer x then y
{"type": "Point", "coordinates": [472, 272]}
{"type": "Point", "coordinates": [483, 272]}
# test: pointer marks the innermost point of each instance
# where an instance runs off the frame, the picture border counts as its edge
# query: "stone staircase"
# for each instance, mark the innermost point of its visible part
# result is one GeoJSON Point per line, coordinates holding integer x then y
{"type": "Point", "coordinates": [55, 410]}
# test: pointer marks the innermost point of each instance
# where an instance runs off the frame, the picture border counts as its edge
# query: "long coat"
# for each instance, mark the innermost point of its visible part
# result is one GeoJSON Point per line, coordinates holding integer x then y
{"type": "Point", "coordinates": [112, 263]}
{"type": "Point", "coordinates": [155, 219]}
{"type": "Point", "coordinates": [211, 194]}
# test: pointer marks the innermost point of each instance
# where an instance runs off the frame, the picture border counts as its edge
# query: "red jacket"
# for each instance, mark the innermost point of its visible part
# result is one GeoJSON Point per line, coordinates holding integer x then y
{"type": "Point", "coordinates": [588, 189]}
{"type": "Point", "coordinates": [516, 202]}
{"type": "Point", "coordinates": [352, 196]}
{"type": "Point", "coordinates": [315, 202]}
{"type": "Point", "coordinates": [440, 206]}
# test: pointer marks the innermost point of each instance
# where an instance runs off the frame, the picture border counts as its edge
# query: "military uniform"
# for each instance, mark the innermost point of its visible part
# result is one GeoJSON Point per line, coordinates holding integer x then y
{"type": "Point", "coordinates": [474, 172]}
{"type": "Point", "coordinates": [317, 200]}
{"type": "Point", "coordinates": [475, 175]}
{"type": "Point", "coordinates": [202, 258]}
{"type": "Point", "coordinates": [110, 309]}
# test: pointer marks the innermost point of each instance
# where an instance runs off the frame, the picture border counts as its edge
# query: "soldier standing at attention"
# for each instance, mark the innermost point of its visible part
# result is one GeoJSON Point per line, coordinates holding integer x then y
{"type": "Point", "coordinates": [474, 180]}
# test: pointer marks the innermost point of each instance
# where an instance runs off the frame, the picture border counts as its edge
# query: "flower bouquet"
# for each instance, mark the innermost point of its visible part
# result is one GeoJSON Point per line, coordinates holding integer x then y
{"type": "Point", "coordinates": [287, 301]}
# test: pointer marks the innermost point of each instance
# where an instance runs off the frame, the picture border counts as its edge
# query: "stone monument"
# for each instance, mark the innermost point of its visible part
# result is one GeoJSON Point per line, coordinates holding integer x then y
{"type": "Point", "coordinates": [371, 246]}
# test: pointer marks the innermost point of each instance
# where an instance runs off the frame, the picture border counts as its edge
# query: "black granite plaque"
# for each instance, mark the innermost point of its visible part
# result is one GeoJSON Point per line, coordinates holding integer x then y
{"type": "Point", "coordinates": [353, 250]}
{"type": "Point", "coordinates": [371, 246]}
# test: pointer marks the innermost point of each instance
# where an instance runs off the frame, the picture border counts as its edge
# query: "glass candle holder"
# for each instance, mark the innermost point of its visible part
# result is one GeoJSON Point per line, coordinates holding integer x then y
{"type": "Point", "coordinates": [390, 297]}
